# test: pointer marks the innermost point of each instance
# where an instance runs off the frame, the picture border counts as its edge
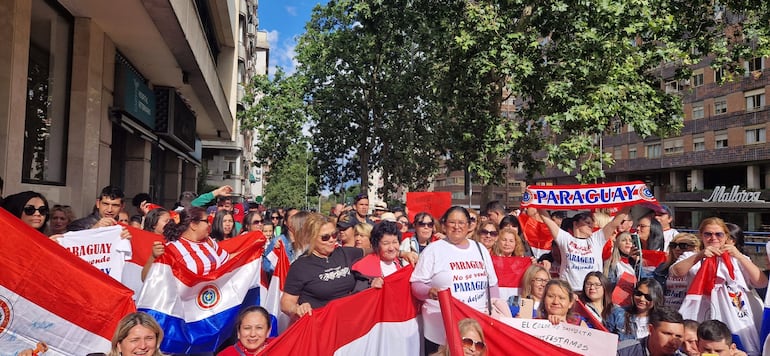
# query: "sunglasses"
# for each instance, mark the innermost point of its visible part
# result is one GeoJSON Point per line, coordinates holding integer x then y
{"type": "Point", "coordinates": [256, 222]}
{"type": "Point", "coordinates": [425, 224]}
{"type": "Point", "coordinates": [645, 295]}
{"type": "Point", "coordinates": [718, 235]}
{"type": "Point", "coordinates": [473, 219]}
{"type": "Point", "coordinates": [681, 245]}
{"type": "Point", "coordinates": [327, 237]}
{"type": "Point", "coordinates": [492, 233]}
{"type": "Point", "coordinates": [479, 345]}
{"type": "Point", "coordinates": [275, 217]}
{"type": "Point", "coordinates": [30, 210]}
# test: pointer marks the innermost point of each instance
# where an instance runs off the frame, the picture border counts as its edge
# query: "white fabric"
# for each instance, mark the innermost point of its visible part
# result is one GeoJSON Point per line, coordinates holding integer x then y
{"type": "Point", "coordinates": [668, 236]}
{"type": "Point", "coordinates": [579, 256]}
{"type": "Point", "coordinates": [102, 248]}
{"type": "Point", "coordinates": [387, 268]}
{"type": "Point", "coordinates": [206, 252]}
{"type": "Point", "coordinates": [403, 339]}
{"type": "Point", "coordinates": [462, 270]}
{"type": "Point", "coordinates": [676, 289]}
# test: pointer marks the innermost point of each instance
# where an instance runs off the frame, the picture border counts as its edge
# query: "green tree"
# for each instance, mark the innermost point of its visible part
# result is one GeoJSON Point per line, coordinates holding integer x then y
{"type": "Point", "coordinates": [286, 180]}
{"type": "Point", "coordinates": [366, 80]}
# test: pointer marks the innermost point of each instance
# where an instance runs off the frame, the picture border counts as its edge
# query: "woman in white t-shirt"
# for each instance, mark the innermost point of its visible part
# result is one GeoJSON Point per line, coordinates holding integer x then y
{"type": "Point", "coordinates": [581, 248]}
{"type": "Point", "coordinates": [456, 263]}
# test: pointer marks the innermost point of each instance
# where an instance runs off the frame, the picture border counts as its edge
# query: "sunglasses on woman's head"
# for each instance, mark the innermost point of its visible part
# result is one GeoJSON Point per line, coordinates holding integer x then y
{"type": "Point", "coordinates": [645, 295]}
{"type": "Point", "coordinates": [30, 210]}
{"type": "Point", "coordinates": [479, 345]}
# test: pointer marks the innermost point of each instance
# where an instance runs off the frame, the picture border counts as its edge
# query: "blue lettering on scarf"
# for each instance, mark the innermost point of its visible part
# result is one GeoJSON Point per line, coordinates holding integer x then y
{"type": "Point", "coordinates": [592, 196]}
{"type": "Point", "coordinates": [577, 197]}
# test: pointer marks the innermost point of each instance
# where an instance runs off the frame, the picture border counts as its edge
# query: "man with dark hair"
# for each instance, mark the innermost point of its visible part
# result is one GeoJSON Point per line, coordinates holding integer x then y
{"type": "Point", "coordinates": [495, 211]}
{"type": "Point", "coordinates": [714, 337]}
{"type": "Point", "coordinates": [361, 206]}
{"type": "Point", "coordinates": [666, 329]}
{"type": "Point", "coordinates": [108, 204]}
{"type": "Point", "coordinates": [138, 200]}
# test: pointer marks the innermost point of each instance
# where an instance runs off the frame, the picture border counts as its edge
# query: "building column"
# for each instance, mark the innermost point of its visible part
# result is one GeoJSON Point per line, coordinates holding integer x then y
{"type": "Point", "coordinates": [172, 179]}
{"type": "Point", "coordinates": [754, 220]}
{"type": "Point", "coordinates": [753, 179]}
{"type": "Point", "coordinates": [138, 168]}
{"type": "Point", "coordinates": [767, 177]}
{"type": "Point", "coordinates": [696, 180]}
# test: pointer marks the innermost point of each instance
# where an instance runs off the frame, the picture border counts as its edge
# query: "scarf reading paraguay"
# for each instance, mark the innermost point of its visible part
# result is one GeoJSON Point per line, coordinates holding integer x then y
{"type": "Point", "coordinates": [587, 196]}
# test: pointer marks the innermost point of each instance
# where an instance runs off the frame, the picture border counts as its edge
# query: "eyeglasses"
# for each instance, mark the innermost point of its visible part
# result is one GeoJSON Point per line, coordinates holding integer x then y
{"type": "Point", "coordinates": [593, 285]}
{"type": "Point", "coordinates": [425, 224]}
{"type": "Point", "coordinates": [327, 237]}
{"type": "Point", "coordinates": [647, 296]}
{"type": "Point", "coordinates": [492, 233]}
{"type": "Point", "coordinates": [202, 220]}
{"type": "Point", "coordinates": [30, 210]}
{"type": "Point", "coordinates": [457, 223]}
{"type": "Point", "coordinates": [681, 245]}
{"type": "Point", "coordinates": [644, 226]}
{"type": "Point", "coordinates": [540, 280]}
{"type": "Point", "coordinates": [709, 234]}
{"type": "Point", "coordinates": [256, 222]}
{"type": "Point", "coordinates": [61, 206]}
{"type": "Point", "coordinates": [479, 345]}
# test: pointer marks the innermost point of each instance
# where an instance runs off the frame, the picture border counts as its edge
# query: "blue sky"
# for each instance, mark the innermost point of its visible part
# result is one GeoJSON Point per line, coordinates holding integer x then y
{"type": "Point", "coordinates": [284, 21]}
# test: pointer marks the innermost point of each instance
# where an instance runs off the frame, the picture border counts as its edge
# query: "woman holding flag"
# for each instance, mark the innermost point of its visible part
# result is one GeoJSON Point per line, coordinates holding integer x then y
{"type": "Point", "coordinates": [725, 276]}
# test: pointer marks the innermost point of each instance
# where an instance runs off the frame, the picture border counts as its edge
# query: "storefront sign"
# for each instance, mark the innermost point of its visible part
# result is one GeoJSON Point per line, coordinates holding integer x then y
{"type": "Point", "coordinates": [733, 196]}
{"type": "Point", "coordinates": [133, 96]}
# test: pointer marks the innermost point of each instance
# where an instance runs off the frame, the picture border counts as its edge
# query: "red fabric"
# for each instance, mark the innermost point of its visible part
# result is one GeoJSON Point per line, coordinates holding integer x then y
{"type": "Point", "coordinates": [624, 290]}
{"type": "Point", "coordinates": [141, 244]}
{"type": "Point", "coordinates": [582, 310]}
{"type": "Point", "coordinates": [342, 320]}
{"type": "Point", "coordinates": [607, 250]}
{"type": "Point", "coordinates": [654, 258]}
{"type": "Point", "coordinates": [500, 338]}
{"type": "Point", "coordinates": [536, 232]}
{"type": "Point", "coordinates": [40, 270]}
{"type": "Point", "coordinates": [705, 279]}
{"type": "Point", "coordinates": [435, 203]}
{"type": "Point", "coordinates": [509, 270]}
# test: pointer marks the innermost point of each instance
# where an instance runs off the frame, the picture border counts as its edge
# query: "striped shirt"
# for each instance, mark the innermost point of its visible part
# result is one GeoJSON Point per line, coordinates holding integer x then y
{"type": "Point", "coordinates": [200, 257]}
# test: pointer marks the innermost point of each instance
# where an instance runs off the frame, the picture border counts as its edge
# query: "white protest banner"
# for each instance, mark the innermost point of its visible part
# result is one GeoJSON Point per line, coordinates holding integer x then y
{"type": "Point", "coordinates": [102, 248]}
{"type": "Point", "coordinates": [579, 339]}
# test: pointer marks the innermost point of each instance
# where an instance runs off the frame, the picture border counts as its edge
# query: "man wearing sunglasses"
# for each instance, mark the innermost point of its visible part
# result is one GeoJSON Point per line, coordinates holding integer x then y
{"type": "Point", "coordinates": [666, 332]}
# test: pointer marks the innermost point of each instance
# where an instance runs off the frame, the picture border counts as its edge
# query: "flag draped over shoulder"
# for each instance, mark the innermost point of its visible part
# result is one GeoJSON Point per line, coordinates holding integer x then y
{"type": "Point", "coordinates": [509, 271]}
{"type": "Point", "coordinates": [714, 294]}
{"type": "Point", "coordinates": [587, 196]}
{"type": "Point", "coordinates": [500, 338]}
{"type": "Point", "coordinates": [272, 301]}
{"type": "Point", "coordinates": [48, 294]}
{"type": "Point", "coordinates": [198, 312]}
{"type": "Point", "coordinates": [371, 322]}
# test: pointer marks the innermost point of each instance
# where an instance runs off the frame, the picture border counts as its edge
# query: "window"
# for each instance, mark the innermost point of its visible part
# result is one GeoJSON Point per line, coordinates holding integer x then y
{"type": "Point", "coordinates": [697, 78]}
{"type": "Point", "coordinates": [697, 110]}
{"type": "Point", "coordinates": [720, 139]}
{"type": "Point", "coordinates": [673, 146]}
{"type": "Point", "coordinates": [754, 65]}
{"type": "Point", "coordinates": [720, 105]}
{"type": "Point", "coordinates": [456, 181]}
{"type": "Point", "coordinates": [632, 153]}
{"type": "Point", "coordinates": [698, 144]}
{"type": "Point", "coordinates": [755, 135]}
{"type": "Point", "coordinates": [755, 99]}
{"type": "Point", "coordinates": [652, 150]}
{"type": "Point", "coordinates": [719, 75]}
{"type": "Point", "coordinates": [618, 154]}
{"type": "Point", "coordinates": [458, 195]}
{"type": "Point", "coordinates": [48, 73]}
{"type": "Point", "coordinates": [672, 87]}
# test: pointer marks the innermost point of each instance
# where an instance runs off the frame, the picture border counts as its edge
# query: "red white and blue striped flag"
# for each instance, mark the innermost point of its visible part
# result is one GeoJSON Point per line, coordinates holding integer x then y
{"type": "Point", "coordinates": [372, 322]}
{"type": "Point", "coordinates": [197, 312]}
{"type": "Point", "coordinates": [48, 294]}
{"type": "Point", "coordinates": [714, 294]}
{"type": "Point", "coordinates": [272, 300]}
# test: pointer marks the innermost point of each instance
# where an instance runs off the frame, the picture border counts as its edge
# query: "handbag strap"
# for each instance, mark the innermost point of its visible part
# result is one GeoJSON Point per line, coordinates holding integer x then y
{"type": "Point", "coordinates": [489, 295]}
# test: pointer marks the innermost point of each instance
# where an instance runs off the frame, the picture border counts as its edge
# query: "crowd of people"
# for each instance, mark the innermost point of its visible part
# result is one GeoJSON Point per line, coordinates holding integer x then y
{"type": "Point", "coordinates": [575, 258]}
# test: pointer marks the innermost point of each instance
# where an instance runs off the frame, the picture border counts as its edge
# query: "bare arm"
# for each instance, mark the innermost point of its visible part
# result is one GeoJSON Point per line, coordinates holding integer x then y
{"type": "Point", "coordinates": [611, 227]}
{"type": "Point", "coordinates": [552, 227]}
{"type": "Point", "coordinates": [290, 307]}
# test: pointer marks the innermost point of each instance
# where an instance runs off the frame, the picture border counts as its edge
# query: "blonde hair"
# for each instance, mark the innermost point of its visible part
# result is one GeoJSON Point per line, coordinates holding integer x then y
{"type": "Point", "coordinates": [610, 265]}
{"type": "Point", "coordinates": [129, 322]}
{"type": "Point", "coordinates": [683, 237]}
{"type": "Point", "coordinates": [497, 250]}
{"type": "Point", "coordinates": [310, 230]}
{"type": "Point", "coordinates": [363, 229]}
{"type": "Point", "coordinates": [601, 218]}
{"type": "Point", "coordinates": [529, 275]}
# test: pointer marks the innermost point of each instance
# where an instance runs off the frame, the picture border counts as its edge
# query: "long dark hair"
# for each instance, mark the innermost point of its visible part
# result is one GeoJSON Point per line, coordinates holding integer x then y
{"type": "Point", "coordinates": [174, 231]}
{"type": "Point", "coordinates": [15, 205]}
{"type": "Point", "coordinates": [606, 299]}
{"type": "Point", "coordinates": [654, 290]}
{"type": "Point", "coordinates": [217, 227]}
{"type": "Point", "coordinates": [246, 224]}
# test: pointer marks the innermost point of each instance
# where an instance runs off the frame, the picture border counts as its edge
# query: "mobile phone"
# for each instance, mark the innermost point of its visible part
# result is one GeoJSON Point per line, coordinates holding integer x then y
{"type": "Point", "coordinates": [636, 241]}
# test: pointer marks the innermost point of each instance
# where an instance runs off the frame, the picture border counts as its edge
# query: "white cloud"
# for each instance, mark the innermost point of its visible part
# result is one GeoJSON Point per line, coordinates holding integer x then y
{"type": "Point", "coordinates": [282, 53]}
{"type": "Point", "coordinates": [291, 10]}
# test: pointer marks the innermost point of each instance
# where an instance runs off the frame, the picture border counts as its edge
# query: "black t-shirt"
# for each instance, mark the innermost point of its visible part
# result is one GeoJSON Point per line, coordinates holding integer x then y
{"type": "Point", "coordinates": [319, 280]}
